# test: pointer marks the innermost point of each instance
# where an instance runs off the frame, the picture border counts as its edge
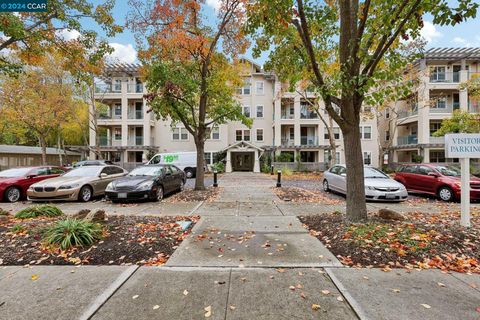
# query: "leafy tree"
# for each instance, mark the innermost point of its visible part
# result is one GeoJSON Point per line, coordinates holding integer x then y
{"type": "Point", "coordinates": [39, 100]}
{"type": "Point", "coordinates": [362, 40]}
{"type": "Point", "coordinates": [189, 80]}
{"type": "Point", "coordinates": [460, 122]}
{"type": "Point", "coordinates": [33, 34]}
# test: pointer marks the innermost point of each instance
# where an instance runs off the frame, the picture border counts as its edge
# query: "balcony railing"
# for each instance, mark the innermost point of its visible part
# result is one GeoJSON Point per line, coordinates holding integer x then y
{"type": "Point", "coordinates": [135, 141]}
{"type": "Point", "coordinates": [136, 115]}
{"type": "Point", "coordinates": [288, 142]}
{"type": "Point", "coordinates": [287, 115]}
{"type": "Point", "coordinates": [107, 116]}
{"type": "Point", "coordinates": [309, 140]}
{"type": "Point", "coordinates": [135, 88]}
{"type": "Point", "coordinates": [406, 114]}
{"type": "Point", "coordinates": [107, 88]}
{"type": "Point", "coordinates": [437, 140]}
{"type": "Point", "coordinates": [444, 77]}
{"type": "Point", "coordinates": [446, 109]}
{"type": "Point", "coordinates": [405, 140]}
{"type": "Point", "coordinates": [305, 114]}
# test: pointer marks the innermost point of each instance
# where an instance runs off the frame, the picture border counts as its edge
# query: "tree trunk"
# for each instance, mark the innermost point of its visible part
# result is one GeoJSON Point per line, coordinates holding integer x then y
{"type": "Point", "coordinates": [331, 140]}
{"type": "Point", "coordinates": [59, 146]}
{"type": "Point", "coordinates": [356, 204]}
{"type": "Point", "coordinates": [200, 175]}
{"type": "Point", "coordinates": [43, 146]}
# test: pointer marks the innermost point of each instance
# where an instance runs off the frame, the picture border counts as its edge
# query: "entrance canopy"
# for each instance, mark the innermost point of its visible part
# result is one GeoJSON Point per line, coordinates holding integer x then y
{"type": "Point", "coordinates": [243, 156]}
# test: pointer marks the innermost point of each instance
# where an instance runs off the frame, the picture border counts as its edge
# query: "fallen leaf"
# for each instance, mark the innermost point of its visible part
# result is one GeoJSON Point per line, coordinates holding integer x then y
{"type": "Point", "coordinates": [478, 309]}
{"type": "Point", "coordinates": [280, 270]}
{"type": "Point", "coordinates": [185, 292]}
{"type": "Point", "coordinates": [365, 277]}
{"type": "Point", "coordinates": [325, 292]}
{"type": "Point", "coordinates": [155, 307]}
{"type": "Point", "coordinates": [440, 284]}
{"type": "Point", "coordinates": [34, 277]}
{"type": "Point", "coordinates": [208, 311]}
{"type": "Point", "coordinates": [135, 296]}
{"type": "Point", "coordinates": [303, 295]}
{"type": "Point", "coordinates": [291, 288]}
{"type": "Point", "coordinates": [396, 290]}
{"type": "Point", "coordinates": [426, 306]}
{"type": "Point", "coordinates": [340, 298]}
{"type": "Point", "coordinates": [315, 307]}
{"type": "Point", "coordinates": [233, 307]}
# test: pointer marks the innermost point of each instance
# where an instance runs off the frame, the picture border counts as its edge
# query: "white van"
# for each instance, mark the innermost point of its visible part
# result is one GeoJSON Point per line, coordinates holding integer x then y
{"type": "Point", "coordinates": [186, 161]}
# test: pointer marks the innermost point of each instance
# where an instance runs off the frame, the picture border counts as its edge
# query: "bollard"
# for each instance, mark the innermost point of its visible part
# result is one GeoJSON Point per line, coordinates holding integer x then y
{"type": "Point", "coordinates": [271, 170]}
{"type": "Point", "coordinates": [279, 178]}
{"type": "Point", "coordinates": [215, 182]}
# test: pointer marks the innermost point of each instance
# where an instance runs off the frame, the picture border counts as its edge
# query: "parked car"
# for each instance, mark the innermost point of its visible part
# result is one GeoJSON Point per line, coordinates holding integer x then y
{"type": "Point", "coordinates": [80, 184]}
{"type": "Point", "coordinates": [378, 186]}
{"type": "Point", "coordinates": [442, 181]}
{"type": "Point", "coordinates": [186, 161]}
{"type": "Point", "coordinates": [150, 182]}
{"type": "Point", "coordinates": [14, 183]}
{"type": "Point", "coordinates": [92, 163]}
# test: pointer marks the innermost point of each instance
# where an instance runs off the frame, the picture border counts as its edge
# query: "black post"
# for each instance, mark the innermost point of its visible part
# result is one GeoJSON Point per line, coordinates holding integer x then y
{"type": "Point", "coordinates": [271, 170]}
{"type": "Point", "coordinates": [215, 182]}
{"type": "Point", "coordinates": [279, 178]}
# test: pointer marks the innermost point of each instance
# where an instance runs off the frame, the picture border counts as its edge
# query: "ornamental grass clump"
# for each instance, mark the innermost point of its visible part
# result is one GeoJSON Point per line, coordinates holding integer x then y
{"type": "Point", "coordinates": [70, 232]}
{"type": "Point", "coordinates": [39, 211]}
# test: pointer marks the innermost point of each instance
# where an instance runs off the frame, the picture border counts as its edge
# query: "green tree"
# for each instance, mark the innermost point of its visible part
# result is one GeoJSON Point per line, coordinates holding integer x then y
{"type": "Point", "coordinates": [460, 122]}
{"type": "Point", "coordinates": [365, 42]}
{"type": "Point", "coordinates": [189, 79]}
{"type": "Point", "coordinates": [33, 35]}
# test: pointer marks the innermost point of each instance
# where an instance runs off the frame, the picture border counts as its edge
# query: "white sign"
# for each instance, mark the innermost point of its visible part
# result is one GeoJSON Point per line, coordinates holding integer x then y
{"type": "Point", "coordinates": [462, 145]}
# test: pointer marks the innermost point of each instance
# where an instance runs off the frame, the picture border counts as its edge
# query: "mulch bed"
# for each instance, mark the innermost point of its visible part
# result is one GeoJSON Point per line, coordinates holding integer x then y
{"type": "Point", "coordinates": [423, 241]}
{"type": "Point", "coordinates": [296, 194]}
{"type": "Point", "coordinates": [127, 240]}
{"type": "Point", "coordinates": [304, 176]}
{"type": "Point", "coordinates": [210, 194]}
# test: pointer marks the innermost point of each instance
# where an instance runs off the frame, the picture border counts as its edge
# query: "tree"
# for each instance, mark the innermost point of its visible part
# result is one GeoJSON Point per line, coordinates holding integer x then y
{"type": "Point", "coordinates": [32, 35]}
{"type": "Point", "coordinates": [367, 41]}
{"type": "Point", "coordinates": [460, 122]}
{"type": "Point", "coordinates": [38, 100]}
{"type": "Point", "coordinates": [188, 79]}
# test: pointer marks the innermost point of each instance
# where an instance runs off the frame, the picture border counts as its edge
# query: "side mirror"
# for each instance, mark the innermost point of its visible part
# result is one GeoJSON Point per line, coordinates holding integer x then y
{"type": "Point", "coordinates": [103, 175]}
{"type": "Point", "coordinates": [433, 174]}
{"type": "Point", "coordinates": [343, 174]}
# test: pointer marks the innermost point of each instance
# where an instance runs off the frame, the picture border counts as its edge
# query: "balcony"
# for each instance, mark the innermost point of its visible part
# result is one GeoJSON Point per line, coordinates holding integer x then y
{"type": "Point", "coordinates": [107, 88]}
{"type": "Point", "coordinates": [135, 115]}
{"type": "Point", "coordinates": [286, 114]}
{"type": "Point", "coordinates": [405, 140]}
{"type": "Point", "coordinates": [445, 77]}
{"type": "Point", "coordinates": [437, 140]}
{"type": "Point", "coordinates": [108, 116]}
{"type": "Point", "coordinates": [306, 114]}
{"type": "Point", "coordinates": [406, 114]}
{"type": "Point", "coordinates": [135, 88]}
{"type": "Point", "coordinates": [135, 141]}
{"type": "Point", "coordinates": [445, 109]}
{"type": "Point", "coordinates": [288, 143]}
{"type": "Point", "coordinates": [309, 141]}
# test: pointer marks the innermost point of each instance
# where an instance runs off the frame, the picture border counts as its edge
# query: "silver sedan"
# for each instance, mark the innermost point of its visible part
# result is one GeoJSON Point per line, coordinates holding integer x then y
{"type": "Point", "coordinates": [378, 186]}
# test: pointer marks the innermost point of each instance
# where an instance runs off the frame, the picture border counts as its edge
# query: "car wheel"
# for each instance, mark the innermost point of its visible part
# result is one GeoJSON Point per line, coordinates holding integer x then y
{"type": "Point", "coordinates": [159, 194]}
{"type": "Point", "coordinates": [13, 194]}
{"type": "Point", "coordinates": [182, 186]}
{"type": "Point", "coordinates": [85, 194]}
{"type": "Point", "coordinates": [326, 187]}
{"type": "Point", "coordinates": [189, 173]}
{"type": "Point", "coordinates": [445, 193]}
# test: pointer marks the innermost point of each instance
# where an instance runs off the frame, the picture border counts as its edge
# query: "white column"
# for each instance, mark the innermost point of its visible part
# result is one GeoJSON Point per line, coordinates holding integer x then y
{"type": "Point", "coordinates": [124, 114]}
{"type": "Point", "coordinates": [228, 166]}
{"type": "Point", "coordinates": [256, 165]}
{"type": "Point", "coordinates": [296, 126]}
{"type": "Point", "coordinates": [465, 192]}
{"type": "Point", "coordinates": [277, 134]}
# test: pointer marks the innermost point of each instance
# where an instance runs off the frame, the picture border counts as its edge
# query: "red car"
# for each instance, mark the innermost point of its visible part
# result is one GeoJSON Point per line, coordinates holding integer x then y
{"type": "Point", "coordinates": [15, 182]}
{"type": "Point", "coordinates": [442, 181]}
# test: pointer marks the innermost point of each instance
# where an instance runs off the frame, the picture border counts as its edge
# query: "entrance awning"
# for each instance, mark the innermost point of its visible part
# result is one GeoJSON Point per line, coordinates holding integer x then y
{"type": "Point", "coordinates": [242, 146]}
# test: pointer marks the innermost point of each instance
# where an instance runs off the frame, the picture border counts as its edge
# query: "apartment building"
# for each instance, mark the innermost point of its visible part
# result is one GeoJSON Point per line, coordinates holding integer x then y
{"type": "Point", "coordinates": [283, 122]}
{"type": "Point", "coordinates": [411, 122]}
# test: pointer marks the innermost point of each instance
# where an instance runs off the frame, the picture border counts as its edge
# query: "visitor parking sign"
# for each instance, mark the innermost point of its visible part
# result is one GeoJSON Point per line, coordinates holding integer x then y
{"type": "Point", "coordinates": [462, 145]}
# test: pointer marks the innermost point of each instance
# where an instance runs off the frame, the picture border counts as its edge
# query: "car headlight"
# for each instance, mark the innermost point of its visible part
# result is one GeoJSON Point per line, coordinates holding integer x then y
{"type": "Point", "coordinates": [145, 186]}
{"type": "Point", "coordinates": [369, 188]}
{"type": "Point", "coordinates": [68, 186]}
{"type": "Point", "coordinates": [110, 187]}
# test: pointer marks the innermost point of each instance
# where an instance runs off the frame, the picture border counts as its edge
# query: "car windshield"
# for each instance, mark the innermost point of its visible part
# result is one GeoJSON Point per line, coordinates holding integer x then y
{"type": "Point", "coordinates": [374, 173]}
{"type": "Point", "coordinates": [146, 171]}
{"type": "Point", "coordinates": [450, 171]}
{"type": "Point", "coordinates": [12, 173]}
{"type": "Point", "coordinates": [83, 172]}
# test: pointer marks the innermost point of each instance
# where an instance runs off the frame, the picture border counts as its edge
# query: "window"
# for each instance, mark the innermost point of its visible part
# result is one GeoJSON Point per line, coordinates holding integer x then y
{"type": "Point", "coordinates": [366, 132]}
{"type": "Point", "coordinates": [238, 135]}
{"type": "Point", "coordinates": [259, 111]}
{"type": "Point", "coordinates": [246, 135]}
{"type": "Point", "coordinates": [291, 132]}
{"type": "Point", "coordinates": [55, 170]}
{"type": "Point", "coordinates": [117, 110]}
{"type": "Point", "coordinates": [434, 126]}
{"type": "Point", "coordinates": [424, 170]}
{"type": "Point", "coordinates": [367, 158]}
{"type": "Point", "coordinates": [437, 156]}
{"type": "Point", "coordinates": [208, 157]}
{"type": "Point", "coordinates": [259, 134]}
{"type": "Point", "coordinates": [440, 103]}
{"type": "Point", "coordinates": [327, 156]}
{"type": "Point", "coordinates": [246, 87]}
{"type": "Point", "coordinates": [117, 133]}
{"type": "Point", "coordinates": [116, 170]}
{"type": "Point", "coordinates": [215, 134]}
{"type": "Point", "coordinates": [367, 109]}
{"type": "Point", "coordinates": [387, 135]}
{"type": "Point", "coordinates": [437, 74]}
{"type": "Point", "coordinates": [336, 133]}
{"type": "Point", "coordinates": [179, 134]}
{"type": "Point", "coordinates": [42, 172]}
{"type": "Point", "coordinates": [117, 85]}
{"type": "Point", "coordinates": [259, 87]}
{"type": "Point", "coordinates": [246, 111]}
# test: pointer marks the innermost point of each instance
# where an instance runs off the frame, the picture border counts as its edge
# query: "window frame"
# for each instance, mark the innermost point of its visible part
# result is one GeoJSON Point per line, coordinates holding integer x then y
{"type": "Point", "coordinates": [257, 109]}
{"type": "Point", "coordinates": [256, 135]}
{"type": "Point", "coordinates": [262, 87]}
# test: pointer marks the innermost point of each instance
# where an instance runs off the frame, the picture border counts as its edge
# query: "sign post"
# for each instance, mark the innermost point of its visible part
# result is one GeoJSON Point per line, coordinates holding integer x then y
{"type": "Point", "coordinates": [463, 146]}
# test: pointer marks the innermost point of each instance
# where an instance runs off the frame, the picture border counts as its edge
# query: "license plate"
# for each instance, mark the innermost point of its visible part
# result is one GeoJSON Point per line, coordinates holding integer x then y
{"type": "Point", "coordinates": [122, 195]}
{"type": "Point", "coordinates": [390, 196]}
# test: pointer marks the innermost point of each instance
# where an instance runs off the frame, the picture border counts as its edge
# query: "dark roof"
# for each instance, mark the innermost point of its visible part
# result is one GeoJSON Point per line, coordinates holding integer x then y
{"type": "Point", "coordinates": [31, 150]}
{"type": "Point", "coordinates": [453, 53]}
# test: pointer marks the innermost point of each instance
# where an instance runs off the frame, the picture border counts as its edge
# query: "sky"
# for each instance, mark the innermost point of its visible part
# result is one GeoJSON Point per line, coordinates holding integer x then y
{"type": "Point", "coordinates": [463, 35]}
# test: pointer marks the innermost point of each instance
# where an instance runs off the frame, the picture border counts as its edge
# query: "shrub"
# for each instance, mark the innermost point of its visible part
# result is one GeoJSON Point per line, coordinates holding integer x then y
{"type": "Point", "coordinates": [286, 171]}
{"type": "Point", "coordinates": [38, 211]}
{"type": "Point", "coordinates": [72, 232]}
{"type": "Point", "coordinates": [3, 212]}
{"type": "Point", "coordinates": [218, 166]}
{"type": "Point", "coordinates": [17, 228]}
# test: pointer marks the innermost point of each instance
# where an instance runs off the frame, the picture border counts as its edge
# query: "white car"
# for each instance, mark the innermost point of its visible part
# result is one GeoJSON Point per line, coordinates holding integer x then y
{"type": "Point", "coordinates": [186, 161]}
{"type": "Point", "coordinates": [378, 186]}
